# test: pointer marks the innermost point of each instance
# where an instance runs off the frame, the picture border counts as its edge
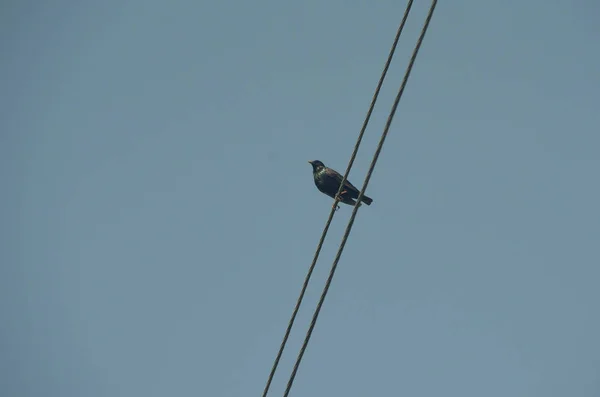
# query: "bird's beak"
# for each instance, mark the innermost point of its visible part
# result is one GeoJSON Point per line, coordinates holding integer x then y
{"type": "Point", "coordinates": [310, 162]}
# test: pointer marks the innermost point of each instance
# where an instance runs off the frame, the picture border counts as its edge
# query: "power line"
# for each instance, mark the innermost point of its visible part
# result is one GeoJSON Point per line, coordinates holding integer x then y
{"type": "Point", "coordinates": [326, 229]}
{"type": "Point", "coordinates": [366, 183]}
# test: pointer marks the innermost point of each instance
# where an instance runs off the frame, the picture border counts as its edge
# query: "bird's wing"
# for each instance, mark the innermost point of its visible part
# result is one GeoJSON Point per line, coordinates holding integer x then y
{"type": "Point", "coordinates": [351, 187]}
{"type": "Point", "coordinates": [338, 178]}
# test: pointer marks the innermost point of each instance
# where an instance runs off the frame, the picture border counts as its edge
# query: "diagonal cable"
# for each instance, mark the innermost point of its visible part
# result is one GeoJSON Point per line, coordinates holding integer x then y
{"type": "Point", "coordinates": [326, 229]}
{"type": "Point", "coordinates": [355, 210]}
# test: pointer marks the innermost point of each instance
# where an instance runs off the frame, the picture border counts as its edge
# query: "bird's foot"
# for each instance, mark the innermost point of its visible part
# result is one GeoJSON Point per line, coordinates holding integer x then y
{"type": "Point", "coordinates": [339, 196]}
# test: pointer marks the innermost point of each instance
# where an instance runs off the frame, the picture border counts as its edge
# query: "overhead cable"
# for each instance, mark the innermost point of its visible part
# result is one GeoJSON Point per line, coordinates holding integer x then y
{"type": "Point", "coordinates": [361, 194]}
{"type": "Point", "coordinates": [331, 214]}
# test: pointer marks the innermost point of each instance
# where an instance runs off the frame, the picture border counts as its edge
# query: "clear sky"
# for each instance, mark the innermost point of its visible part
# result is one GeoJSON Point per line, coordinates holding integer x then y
{"type": "Point", "coordinates": [159, 215]}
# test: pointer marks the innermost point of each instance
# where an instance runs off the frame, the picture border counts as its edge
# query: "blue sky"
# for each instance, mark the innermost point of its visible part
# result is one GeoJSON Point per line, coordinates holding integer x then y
{"type": "Point", "coordinates": [159, 215]}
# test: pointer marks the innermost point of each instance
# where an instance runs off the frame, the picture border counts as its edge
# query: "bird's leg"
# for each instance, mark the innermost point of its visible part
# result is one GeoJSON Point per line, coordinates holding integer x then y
{"type": "Point", "coordinates": [338, 197]}
{"type": "Point", "coordinates": [342, 193]}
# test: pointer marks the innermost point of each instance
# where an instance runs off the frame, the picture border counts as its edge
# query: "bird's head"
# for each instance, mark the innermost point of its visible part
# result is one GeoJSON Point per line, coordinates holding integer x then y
{"type": "Point", "coordinates": [317, 165]}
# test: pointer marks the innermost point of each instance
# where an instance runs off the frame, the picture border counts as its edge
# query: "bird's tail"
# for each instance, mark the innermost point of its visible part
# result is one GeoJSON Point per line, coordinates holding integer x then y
{"type": "Point", "coordinates": [367, 200]}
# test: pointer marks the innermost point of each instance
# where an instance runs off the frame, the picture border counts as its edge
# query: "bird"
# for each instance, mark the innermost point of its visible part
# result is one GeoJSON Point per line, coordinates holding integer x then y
{"type": "Point", "coordinates": [328, 181]}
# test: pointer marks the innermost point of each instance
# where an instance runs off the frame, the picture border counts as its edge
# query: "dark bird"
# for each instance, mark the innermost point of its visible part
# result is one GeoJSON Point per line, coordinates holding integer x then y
{"type": "Point", "coordinates": [328, 181]}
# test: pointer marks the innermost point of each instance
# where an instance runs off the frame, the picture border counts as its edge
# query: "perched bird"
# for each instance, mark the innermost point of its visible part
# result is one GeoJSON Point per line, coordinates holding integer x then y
{"type": "Point", "coordinates": [328, 181]}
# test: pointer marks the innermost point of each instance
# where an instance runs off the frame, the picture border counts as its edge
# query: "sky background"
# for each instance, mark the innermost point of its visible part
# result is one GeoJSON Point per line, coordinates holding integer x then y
{"type": "Point", "coordinates": [158, 214]}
